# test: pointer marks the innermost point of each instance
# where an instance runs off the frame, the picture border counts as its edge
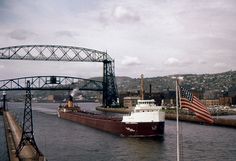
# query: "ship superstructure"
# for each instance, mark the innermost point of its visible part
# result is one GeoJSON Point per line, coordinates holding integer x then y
{"type": "Point", "coordinates": [145, 111]}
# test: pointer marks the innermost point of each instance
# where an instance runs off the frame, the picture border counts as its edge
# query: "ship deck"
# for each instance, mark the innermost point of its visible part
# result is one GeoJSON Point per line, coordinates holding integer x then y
{"type": "Point", "coordinates": [97, 116]}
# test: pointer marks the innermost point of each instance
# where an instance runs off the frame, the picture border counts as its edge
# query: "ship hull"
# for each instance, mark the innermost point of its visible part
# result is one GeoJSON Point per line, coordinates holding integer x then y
{"type": "Point", "coordinates": [114, 125]}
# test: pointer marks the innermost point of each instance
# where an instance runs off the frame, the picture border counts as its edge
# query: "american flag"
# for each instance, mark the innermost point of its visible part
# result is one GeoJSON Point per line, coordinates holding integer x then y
{"type": "Point", "coordinates": [192, 103]}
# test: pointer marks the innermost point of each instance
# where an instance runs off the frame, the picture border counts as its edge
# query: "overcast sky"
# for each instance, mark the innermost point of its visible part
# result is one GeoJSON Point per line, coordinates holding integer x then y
{"type": "Point", "coordinates": [153, 37]}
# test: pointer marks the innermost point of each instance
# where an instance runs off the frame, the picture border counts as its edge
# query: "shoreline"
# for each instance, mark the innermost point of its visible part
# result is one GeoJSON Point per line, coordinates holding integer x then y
{"type": "Point", "coordinates": [193, 119]}
{"type": "Point", "coordinates": [182, 117]}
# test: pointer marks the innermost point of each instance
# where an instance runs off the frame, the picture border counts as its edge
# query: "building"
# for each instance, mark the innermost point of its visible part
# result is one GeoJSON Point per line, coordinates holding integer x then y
{"type": "Point", "coordinates": [50, 98]}
{"type": "Point", "coordinates": [213, 102]}
{"type": "Point", "coordinates": [225, 101]}
{"type": "Point", "coordinates": [130, 102]}
{"type": "Point", "coordinates": [198, 94]}
{"type": "Point", "coordinates": [168, 97]}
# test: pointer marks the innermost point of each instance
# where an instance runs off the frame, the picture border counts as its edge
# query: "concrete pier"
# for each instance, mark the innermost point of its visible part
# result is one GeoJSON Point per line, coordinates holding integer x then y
{"type": "Point", "coordinates": [194, 119]}
{"type": "Point", "coordinates": [13, 135]}
{"type": "Point", "coordinates": [172, 116]}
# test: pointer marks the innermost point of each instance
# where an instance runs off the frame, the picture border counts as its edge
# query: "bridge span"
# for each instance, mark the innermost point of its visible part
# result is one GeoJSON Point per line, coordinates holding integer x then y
{"type": "Point", "coordinates": [68, 54]}
{"type": "Point", "coordinates": [51, 83]}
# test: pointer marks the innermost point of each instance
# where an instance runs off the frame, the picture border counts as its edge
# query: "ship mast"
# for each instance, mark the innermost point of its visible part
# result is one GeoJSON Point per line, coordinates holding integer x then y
{"type": "Point", "coordinates": [142, 88]}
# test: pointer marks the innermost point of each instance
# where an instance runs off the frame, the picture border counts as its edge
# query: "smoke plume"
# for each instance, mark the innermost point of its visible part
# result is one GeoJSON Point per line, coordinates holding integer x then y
{"type": "Point", "coordinates": [74, 92]}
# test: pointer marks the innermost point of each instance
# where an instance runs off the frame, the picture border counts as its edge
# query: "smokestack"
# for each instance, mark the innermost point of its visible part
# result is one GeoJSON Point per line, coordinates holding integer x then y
{"type": "Point", "coordinates": [70, 103]}
{"type": "Point", "coordinates": [70, 98]}
{"type": "Point", "coordinates": [150, 90]}
{"type": "Point", "coordinates": [142, 87]}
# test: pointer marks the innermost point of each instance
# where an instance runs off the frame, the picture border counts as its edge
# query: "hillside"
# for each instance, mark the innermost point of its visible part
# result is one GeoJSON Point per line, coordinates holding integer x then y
{"type": "Point", "coordinates": [202, 82]}
{"type": "Point", "coordinates": [211, 85]}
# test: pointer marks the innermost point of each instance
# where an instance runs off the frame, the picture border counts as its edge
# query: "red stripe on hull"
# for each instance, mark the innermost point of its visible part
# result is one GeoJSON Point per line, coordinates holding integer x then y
{"type": "Point", "coordinates": [115, 126]}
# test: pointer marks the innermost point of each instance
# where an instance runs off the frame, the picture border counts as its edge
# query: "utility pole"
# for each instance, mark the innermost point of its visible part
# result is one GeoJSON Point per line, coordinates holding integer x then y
{"type": "Point", "coordinates": [27, 137]}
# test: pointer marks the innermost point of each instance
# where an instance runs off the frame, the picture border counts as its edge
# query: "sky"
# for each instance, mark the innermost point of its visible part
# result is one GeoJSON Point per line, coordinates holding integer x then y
{"type": "Point", "coordinates": [150, 37]}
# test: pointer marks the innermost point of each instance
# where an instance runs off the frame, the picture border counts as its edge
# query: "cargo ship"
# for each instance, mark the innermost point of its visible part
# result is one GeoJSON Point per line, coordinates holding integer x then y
{"type": "Point", "coordinates": [145, 120]}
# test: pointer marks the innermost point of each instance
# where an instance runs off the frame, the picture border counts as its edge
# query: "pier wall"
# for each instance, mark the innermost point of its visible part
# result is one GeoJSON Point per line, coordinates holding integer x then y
{"type": "Point", "coordinates": [172, 116]}
{"type": "Point", "coordinates": [13, 135]}
{"type": "Point", "coordinates": [193, 119]}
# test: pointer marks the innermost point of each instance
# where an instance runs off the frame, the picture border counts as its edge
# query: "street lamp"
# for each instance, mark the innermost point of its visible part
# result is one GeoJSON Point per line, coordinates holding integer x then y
{"type": "Point", "coordinates": [4, 100]}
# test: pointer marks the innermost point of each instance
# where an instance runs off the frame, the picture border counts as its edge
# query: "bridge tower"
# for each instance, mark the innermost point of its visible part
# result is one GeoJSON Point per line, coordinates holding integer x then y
{"type": "Point", "coordinates": [27, 137]}
{"type": "Point", "coordinates": [110, 92]}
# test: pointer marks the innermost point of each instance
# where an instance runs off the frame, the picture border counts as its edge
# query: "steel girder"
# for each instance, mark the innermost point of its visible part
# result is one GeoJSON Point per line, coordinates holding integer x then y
{"type": "Point", "coordinates": [51, 83]}
{"type": "Point", "coordinates": [53, 53]}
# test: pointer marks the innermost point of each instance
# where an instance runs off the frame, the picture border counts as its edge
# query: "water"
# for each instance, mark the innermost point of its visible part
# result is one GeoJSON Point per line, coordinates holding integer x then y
{"type": "Point", "coordinates": [3, 146]}
{"type": "Point", "coordinates": [63, 140]}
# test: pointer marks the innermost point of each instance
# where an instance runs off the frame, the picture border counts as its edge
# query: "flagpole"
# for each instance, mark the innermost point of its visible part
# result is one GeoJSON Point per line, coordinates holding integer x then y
{"type": "Point", "coordinates": [177, 119]}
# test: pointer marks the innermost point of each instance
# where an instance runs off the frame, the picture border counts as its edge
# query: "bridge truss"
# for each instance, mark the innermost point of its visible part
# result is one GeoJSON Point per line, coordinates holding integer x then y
{"type": "Point", "coordinates": [51, 83]}
{"type": "Point", "coordinates": [70, 54]}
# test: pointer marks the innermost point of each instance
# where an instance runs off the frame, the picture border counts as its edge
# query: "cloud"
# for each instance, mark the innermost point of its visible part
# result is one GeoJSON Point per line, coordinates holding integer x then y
{"type": "Point", "coordinates": [220, 65]}
{"type": "Point", "coordinates": [65, 33]}
{"type": "Point", "coordinates": [201, 61]}
{"type": "Point", "coordinates": [21, 34]}
{"type": "Point", "coordinates": [129, 61]}
{"type": "Point", "coordinates": [151, 69]}
{"type": "Point", "coordinates": [162, 34]}
{"type": "Point", "coordinates": [172, 62]}
{"type": "Point", "coordinates": [123, 14]}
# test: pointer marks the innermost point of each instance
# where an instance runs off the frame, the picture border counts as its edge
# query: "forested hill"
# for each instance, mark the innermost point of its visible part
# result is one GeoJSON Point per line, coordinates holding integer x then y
{"type": "Point", "coordinates": [221, 81]}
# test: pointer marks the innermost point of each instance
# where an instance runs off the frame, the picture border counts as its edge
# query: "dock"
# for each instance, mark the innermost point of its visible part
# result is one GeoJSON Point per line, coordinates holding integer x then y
{"type": "Point", "coordinates": [172, 116]}
{"type": "Point", "coordinates": [189, 118]}
{"type": "Point", "coordinates": [13, 133]}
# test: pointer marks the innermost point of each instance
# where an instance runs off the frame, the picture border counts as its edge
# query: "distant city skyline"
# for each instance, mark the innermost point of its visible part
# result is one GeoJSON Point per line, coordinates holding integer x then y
{"type": "Point", "coordinates": [153, 37]}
